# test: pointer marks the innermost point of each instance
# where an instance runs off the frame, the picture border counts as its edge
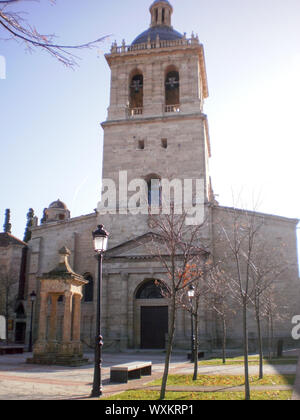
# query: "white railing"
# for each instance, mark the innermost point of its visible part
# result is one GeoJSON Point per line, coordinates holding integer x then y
{"type": "Point", "coordinates": [153, 45]}
{"type": "Point", "coordinates": [171, 108]}
{"type": "Point", "coordinates": [133, 112]}
{"type": "Point", "coordinates": [167, 109]}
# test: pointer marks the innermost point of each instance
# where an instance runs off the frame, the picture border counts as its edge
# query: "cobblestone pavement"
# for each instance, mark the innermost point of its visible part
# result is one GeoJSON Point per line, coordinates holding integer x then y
{"type": "Point", "coordinates": [19, 381]}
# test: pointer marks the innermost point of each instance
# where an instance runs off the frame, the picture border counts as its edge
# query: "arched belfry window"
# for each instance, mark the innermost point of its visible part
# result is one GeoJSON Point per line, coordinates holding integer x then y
{"type": "Point", "coordinates": [88, 291]}
{"type": "Point", "coordinates": [136, 94]}
{"type": "Point", "coordinates": [152, 289]}
{"type": "Point", "coordinates": [172, 89]}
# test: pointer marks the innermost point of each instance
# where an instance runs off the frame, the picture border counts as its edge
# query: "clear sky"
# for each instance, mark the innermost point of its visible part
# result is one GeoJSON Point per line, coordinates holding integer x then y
{"type": "Point", "coordinates": [51, 140]}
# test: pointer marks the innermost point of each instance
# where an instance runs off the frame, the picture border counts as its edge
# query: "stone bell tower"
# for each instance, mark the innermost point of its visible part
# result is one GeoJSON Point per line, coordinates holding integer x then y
{"type": "Point", "coordinates": [156, 127]}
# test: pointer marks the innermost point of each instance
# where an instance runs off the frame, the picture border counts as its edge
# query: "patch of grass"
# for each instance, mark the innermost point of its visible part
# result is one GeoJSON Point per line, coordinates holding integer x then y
{"type": "Point", "coordinates": [226, 380]}
{"type": "Point", "coordinates": [203, 396]}
{"type": "Point", "coordinates": [253, 360]}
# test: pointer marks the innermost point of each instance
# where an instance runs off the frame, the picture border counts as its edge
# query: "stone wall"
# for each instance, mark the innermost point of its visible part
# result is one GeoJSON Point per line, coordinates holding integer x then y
{"type": "Point", "coordinates": [10, 265]}
{"type": "Point", "coordinates": [277, 244]}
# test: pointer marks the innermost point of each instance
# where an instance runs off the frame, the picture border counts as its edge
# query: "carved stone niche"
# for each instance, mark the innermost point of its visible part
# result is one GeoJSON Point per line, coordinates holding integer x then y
{"type": "Point", "coordinates": [61, 281]}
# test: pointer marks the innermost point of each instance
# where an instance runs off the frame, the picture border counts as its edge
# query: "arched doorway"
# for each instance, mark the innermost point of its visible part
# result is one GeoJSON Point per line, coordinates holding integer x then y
{"type": "Point", "coordinates": [154, 314]}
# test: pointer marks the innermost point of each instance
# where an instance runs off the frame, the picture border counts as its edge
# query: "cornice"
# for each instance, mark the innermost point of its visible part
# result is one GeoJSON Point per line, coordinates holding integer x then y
{"type": "Point", "coordinates": [156, 118]}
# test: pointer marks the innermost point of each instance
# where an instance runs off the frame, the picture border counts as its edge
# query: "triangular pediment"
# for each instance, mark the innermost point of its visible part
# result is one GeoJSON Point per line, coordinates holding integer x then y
{"type": "Point", "coordinates": [142, 246]}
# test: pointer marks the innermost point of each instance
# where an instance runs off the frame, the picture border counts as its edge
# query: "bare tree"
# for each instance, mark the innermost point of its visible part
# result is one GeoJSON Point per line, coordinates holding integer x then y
{"type": "Point", "coordinates": [267, 265]}
{"type": "Point", "coordinates": [254, 264]}
{"type": "Point", "coordinates": [270, 308]}
{"type": "Point", "coordinates": [177, 247]}
{"type": "Point", "coordinates": [273, 310]}
{"type": "Point", "coordinates": [239, 235]}
{"type": "Point", "coordinates": [21, 31]}
{"type": "Point", "coordinates": [195, 277]}
{"type": "Point", "coordinates": [219, 286]}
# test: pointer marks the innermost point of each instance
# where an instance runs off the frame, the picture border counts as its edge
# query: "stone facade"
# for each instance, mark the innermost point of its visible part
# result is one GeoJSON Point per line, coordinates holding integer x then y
{"type": "Point", "coordinates": [146, 135]}
{"type": "Point", "coordinates": [13, 255]}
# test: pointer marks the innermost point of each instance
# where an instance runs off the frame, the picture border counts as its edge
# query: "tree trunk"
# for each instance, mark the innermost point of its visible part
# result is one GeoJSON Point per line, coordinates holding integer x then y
{"type": "Point", "coordinates": [169, 349]}
{"type": "Point", "coordinates": [196, 352]}
{"type": "Point", "coordinates": [246, 352]}
{"type": "Point", "coordinates": [224, 340]}
{"type": "Point", "coordinates": [260, 344]}
{"type": "Point", "coordinates": [272, 336]}
{"type": "Point", "coordinates": [269, 338]}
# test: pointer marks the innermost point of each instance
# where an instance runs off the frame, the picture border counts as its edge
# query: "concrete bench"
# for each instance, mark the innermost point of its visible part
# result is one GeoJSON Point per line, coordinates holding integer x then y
{"type": "Point", "coordinates": [123, 373]}
{"type": "Point", "coordinates": [11, 350]}
{"type": "Point", "coordinates": [201, 355]}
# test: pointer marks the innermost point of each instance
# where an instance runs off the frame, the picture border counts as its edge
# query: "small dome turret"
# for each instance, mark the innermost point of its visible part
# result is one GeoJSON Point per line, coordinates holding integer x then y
{"type": "Point", "coordinates": [58, 205]}
{"type": "Point", "coordinates": [56, 212]}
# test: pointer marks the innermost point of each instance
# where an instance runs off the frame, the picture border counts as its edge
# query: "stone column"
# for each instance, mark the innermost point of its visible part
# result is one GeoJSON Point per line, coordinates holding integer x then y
{"type": "Point", "coordinates": [53, 319]}
{"type": "Point", "coordinates": [67, 318]}
{"type": "Point", "coordinates": [77, 317]}
{"type": "Point", "coordinates": [167, 17]}
{"type": "Point", "coordinates": [43, 317]}
{"type": "Point", "coordinates": [159, 22]}
{"type": "Point", "coordinates": [124, 327]}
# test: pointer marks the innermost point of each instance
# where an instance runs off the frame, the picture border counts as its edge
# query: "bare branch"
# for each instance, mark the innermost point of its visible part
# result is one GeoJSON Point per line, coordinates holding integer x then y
{"type": "Point", "coordinates": [19, 30]}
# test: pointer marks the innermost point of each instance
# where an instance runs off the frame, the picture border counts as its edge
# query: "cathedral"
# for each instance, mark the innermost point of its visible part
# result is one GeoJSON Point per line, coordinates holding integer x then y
{"type": "Point", "coordinates": [155, 129]}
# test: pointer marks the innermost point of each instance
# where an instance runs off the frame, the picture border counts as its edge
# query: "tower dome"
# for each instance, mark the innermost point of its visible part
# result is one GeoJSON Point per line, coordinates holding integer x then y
{"type": "Point", "coordinates": [161, 13]}
{"type": "Point", "coordinates": [58, 205]}
{"type": "Point", "coordinates": [56, 212]}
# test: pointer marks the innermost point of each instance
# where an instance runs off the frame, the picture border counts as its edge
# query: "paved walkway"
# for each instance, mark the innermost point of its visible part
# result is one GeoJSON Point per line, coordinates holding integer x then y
{"type": "Point", "coordinates": [19, 381]}
{"type": "Point", "coordinates": [239, 370]}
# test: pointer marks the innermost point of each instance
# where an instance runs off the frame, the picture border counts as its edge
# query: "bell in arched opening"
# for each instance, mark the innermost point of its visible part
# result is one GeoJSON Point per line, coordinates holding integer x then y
{"type": "Point", "coordinates": [172, 91]}
{"type": "Point", "coordinates": [136, 94]}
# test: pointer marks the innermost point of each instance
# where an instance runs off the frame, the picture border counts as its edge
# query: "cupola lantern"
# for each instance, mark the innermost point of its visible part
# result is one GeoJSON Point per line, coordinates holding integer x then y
{"type": "Point", "coordinates": [161, 12]}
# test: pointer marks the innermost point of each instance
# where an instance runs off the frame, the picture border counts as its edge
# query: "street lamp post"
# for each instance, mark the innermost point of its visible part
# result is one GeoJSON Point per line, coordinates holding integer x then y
{"type": "Point", "coordinates": [32, 299]}
{"type": "Point", "coordinates": [191, 294]}
{"type": "Point", "coordinates": [100, 237]}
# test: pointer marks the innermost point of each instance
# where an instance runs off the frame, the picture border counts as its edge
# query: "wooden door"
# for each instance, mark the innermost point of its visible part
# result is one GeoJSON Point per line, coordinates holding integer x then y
{"type": "Point", "coordinates": [154, 327]}
{"type": "Point", "coordinates": [20, 332]}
